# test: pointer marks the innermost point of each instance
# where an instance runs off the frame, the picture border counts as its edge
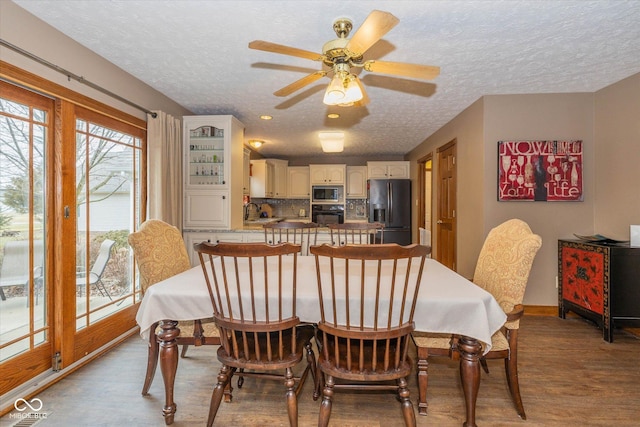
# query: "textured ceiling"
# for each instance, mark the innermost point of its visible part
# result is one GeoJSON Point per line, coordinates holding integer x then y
{"type": "Point", "coordinates": [196, 53]}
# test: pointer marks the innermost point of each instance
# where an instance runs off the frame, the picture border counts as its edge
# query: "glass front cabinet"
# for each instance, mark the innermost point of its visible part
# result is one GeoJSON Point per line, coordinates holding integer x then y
{"type": "Point", "coordinates": [213, 172]}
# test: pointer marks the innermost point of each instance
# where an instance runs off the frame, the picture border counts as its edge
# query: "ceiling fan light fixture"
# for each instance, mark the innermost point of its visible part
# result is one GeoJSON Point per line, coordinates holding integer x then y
{"type": "Point", "coordinates": [332, 142]}
{"type": "Point", "coordinates": [335, 92]}
{"type": "Point", "coordinates": [353, 93]}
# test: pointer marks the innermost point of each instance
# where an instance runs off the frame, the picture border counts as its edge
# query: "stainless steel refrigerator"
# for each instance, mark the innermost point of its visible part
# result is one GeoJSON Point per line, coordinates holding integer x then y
{"type": "Point", "coordinates": [390, 204]}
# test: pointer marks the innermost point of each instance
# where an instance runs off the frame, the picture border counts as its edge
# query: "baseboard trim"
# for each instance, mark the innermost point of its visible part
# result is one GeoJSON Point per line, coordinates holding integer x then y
{"type": "Point", "coordinates": [541, 310]}
{"type": "Point", "coordinates": [552, 310]}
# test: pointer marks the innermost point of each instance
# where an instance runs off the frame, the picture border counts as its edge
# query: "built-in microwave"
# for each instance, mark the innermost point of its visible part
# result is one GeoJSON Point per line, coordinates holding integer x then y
{"type": "Point", "coordinates": [325, 194]}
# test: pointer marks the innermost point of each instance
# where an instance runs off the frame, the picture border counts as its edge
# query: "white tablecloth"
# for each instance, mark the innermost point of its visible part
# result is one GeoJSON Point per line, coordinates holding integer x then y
{"type": "Point", "coordinates": [447, 302]}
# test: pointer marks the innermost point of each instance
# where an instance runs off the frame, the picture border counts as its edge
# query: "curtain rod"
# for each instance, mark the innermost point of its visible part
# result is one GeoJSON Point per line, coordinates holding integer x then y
{"type": "Point", "coordinates": [73, 76]}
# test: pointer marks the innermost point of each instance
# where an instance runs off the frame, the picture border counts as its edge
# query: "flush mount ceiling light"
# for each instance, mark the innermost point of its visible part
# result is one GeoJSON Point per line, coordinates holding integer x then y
{"type": "Point", "coordinates": [266, 117]}
{"type": "Point", "coordinates": [256, 143]}
{"type": "Point", "coordinates": [332, 142]}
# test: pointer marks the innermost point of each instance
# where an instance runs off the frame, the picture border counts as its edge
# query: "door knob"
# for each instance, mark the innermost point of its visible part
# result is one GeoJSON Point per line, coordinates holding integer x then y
{"type": "Point", "coordinates": [439, 221]}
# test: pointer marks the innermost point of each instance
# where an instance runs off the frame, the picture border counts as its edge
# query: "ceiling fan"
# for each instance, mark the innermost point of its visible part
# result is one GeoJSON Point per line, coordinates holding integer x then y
{"type": "Point", "coordinates": [342, 54]}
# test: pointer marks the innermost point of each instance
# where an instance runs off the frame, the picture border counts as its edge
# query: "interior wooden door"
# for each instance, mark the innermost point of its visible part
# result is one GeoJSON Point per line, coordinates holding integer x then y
{"type": "Point", "coordinates": [446, 209]}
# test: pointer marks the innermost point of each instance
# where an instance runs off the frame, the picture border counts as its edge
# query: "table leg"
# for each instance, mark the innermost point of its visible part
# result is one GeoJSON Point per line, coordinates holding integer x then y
{"type": "Point", "coordinates": [470, 349]}
{"type": "Point", "coordinates": [168, 365]}
{"type": "Point", "coordinates": [423, 377]}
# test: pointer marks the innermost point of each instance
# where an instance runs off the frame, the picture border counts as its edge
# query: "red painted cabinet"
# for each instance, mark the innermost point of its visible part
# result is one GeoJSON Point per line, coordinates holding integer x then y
{"type": "Point", "coordinates": [599, 282]}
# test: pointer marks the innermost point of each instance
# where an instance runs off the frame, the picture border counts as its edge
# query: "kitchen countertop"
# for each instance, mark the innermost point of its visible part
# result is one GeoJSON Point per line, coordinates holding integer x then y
{"type": "Point", "coordinates": [257, 225]}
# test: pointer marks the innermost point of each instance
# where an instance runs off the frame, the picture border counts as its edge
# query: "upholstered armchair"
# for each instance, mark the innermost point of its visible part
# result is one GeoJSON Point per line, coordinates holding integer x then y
{"type": "Point", "coordinates": [160, 253]}
{"type": "Point", "coordinates": [502, 269]}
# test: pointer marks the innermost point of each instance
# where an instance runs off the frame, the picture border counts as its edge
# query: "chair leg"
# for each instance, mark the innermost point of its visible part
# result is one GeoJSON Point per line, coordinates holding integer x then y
{"type": "Point", "coordinates": [423, 377]}
{"type": "Point", "coordinates": [103, 290]}
{"type": "Point", "coordinates": [483, 363]}
{"type": "Point", "coordinates": [405, 402]}
{"type": "Point", "coordinates": [152, 360]}
{"type": "Point", "coordinates": [511, 369]}
{"type": "Point", "coordinates": [319, 384]}
{"type": "Point", "coordinates": [325, 406]}
{"type": "Point", "coordinates": [224, 378]}
{"type": "Point", "coordinates": [183, 354]}
{"type": "Point", "coordinates": [311, 363]}
{"type": "Point", "coordinates": [240, 377]}
{"type": "Point", "coordinates": [292, 399]}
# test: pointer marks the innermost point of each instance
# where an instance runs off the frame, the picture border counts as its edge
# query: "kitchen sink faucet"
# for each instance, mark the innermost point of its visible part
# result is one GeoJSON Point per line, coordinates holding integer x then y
{"type": "Point", "coordinates": [247, 209]}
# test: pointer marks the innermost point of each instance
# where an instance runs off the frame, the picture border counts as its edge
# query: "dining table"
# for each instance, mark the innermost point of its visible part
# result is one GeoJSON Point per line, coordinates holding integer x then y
{"type": "Point", "coordinates": [447, 303]}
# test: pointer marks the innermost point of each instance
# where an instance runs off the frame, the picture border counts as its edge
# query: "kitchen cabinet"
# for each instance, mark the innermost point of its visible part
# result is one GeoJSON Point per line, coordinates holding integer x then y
{"type": "Point", "coordinates": [327, 174]}
{"type": "Point", "coordinates": [324, 237]}
{"type": "Point", "coordinates": [280, 177]}
{"type": "Point", "coordinates": [298, 182]}
{"type": "Point", "coordinates": [269, 178]}
{"type": "Point", "coordinates": [246, 171]}
{"type": "Point", "coordinates": [192, 238]}
{"type": "Point", "coordinates": [206, 209]}
{"type": "Point", "coordinates": [213, 172]}
{"type": "Point", "coordinates": [388, 170]}
{"type": "Point", "coordinates": [599, 282]}
{"type": "Point", "coordinates": [356, 182]}
{"type": "Point", "coordinates": [262, 178]}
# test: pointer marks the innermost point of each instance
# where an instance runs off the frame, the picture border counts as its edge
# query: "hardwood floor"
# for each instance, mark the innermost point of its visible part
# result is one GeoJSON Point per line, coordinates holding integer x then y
{"type": "Point", "coordinates": [569, 376]}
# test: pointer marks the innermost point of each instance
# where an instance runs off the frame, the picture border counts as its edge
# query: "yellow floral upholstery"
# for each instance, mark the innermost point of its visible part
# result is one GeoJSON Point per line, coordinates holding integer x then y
{"type": "Point", "coordinates": [504, 263]}
{"type": "Point", "coordinates": [502, 269]}
{"type": "Point", "coordinates": [160, 252]}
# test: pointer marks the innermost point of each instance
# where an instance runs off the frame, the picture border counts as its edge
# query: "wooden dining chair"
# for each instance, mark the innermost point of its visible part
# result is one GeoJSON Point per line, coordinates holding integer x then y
{"type": "Point", "coordinates": [253, 292]}
{"type": "Point", "coordinates": [367, 296]}
{"type": "Point", "coordinates": [297, 232]}
{"type": "Point", "coordinates": [160, 253]}
{"type": "Point", "coordinates": [502, 269]}
{"type": "Point", "coordinates": [356, 233]}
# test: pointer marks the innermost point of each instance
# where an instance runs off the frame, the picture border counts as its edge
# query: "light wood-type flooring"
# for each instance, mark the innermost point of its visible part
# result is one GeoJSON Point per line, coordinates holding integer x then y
{"type": "Point", "coordinates": [569, 376]}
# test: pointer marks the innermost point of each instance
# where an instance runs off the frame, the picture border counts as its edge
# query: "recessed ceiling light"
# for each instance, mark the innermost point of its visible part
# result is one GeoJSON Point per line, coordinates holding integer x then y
{"type": "Point", "coordinates": [333, 115]}
{"type": "Point", "coordinates": [256, 143]}
{"type": "Point", "coordinates": [266, 117]}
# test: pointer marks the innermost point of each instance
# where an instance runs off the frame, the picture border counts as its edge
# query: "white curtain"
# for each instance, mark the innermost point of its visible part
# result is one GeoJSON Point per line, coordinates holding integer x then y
{"type": "Point", "coordinates": [164, 168]}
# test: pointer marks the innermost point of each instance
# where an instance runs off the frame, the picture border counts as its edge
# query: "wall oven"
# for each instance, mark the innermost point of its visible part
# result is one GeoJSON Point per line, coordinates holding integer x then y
{"type": "Point", "coordinates": [327, 214]}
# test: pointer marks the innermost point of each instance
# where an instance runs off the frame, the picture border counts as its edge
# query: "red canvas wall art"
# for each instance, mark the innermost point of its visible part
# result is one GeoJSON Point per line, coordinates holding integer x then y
{"type": "Point", "coordinates": [540, 170]}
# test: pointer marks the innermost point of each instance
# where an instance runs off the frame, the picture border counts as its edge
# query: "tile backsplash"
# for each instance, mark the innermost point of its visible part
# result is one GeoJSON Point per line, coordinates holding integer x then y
{"type": "Point", "coordinates": [287, 208]}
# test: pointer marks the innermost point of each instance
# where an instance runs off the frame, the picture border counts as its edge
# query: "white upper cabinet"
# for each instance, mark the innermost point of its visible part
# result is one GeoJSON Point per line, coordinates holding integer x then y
{"type": "Point", "coordinates": [246, 172]}
{"type": "Point", "coordinates": [269, 178]}
{"type": "Point", "coordinates": [280, 177]}
{"type": "Point", "coordinates": [298, 182]}
{"type": "Point", "coordinates": [327, 174]}
{"type": "Point", "coordinates": [262, 178]}
{"type": "Point", "coordinates": [356, 182]}
{"type": "Point", "coordinates": [388, 170]}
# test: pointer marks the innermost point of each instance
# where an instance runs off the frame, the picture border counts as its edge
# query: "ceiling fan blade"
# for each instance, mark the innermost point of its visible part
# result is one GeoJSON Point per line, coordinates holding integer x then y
{"type": "Point", "coordinates": [285, 50]}
{"type": "Point", "coordinates": [416, 71]}
{"type": "Point", "coordinates": [373, 28]}
{"type": "Point", "coordinates": [299, 84]}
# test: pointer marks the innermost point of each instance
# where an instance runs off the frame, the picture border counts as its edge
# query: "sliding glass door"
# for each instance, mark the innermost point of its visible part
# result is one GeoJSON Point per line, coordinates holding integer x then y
{"type": "Point", "coordinates": [71, 189]}
{"type": "Point", "coordinates": [26, 130]}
